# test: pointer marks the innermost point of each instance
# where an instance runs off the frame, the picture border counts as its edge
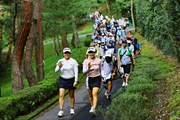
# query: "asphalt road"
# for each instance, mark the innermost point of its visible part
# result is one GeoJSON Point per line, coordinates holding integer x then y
{"type": "Point", "coordinates": [82, 105]}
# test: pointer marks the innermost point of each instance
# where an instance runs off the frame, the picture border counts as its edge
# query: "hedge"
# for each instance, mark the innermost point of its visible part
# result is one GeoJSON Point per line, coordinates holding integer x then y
{"type": "Point", "coordinates": [27, 99]}
{"type": "Point", "coordinates": [135, 103]}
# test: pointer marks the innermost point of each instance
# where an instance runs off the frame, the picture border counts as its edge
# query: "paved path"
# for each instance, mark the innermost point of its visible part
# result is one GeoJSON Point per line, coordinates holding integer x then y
{"type": "Point", "coordinates": [82, 105]}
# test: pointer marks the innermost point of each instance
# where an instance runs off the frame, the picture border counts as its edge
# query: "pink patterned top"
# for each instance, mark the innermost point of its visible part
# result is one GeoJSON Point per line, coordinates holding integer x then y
{"type": "Point", "coordinates": [95, 69]}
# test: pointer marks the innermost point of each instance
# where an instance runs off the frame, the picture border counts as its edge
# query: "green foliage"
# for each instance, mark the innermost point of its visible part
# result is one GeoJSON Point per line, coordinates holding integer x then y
{"type": "Point", "coordinates": [27, 100]}
{"type": "Point", "coordinates": [128, 106]}
{"type": "Point", "coordinates": [59, 15]}
{"type": "Point", "coordinates": [88, 41]}
{"type": "Point", "coordinates": [174, 100]}
{"type": "Point", "coordinates": [123, 7]}
{"type": "Point", "coordinates": [159, 22]}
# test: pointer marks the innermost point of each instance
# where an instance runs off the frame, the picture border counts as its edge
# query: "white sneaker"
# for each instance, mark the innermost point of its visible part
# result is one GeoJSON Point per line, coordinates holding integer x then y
{"type": "Point", "coordinates": [60, 114]}
{"type": "Point", "coordinates": [124, 84]}
{"type": "Point", "coordinates": [72, 111]}
{"type": "Point", "coordinates": [92, 111]}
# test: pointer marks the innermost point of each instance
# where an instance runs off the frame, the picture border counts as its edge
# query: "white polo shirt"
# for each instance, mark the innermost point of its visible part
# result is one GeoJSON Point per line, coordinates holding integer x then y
{"type": "Point", "coordinates": [69, 68]}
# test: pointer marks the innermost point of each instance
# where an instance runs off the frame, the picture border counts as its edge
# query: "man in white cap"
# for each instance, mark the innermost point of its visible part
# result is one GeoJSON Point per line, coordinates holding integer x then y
{"type": "Point", "coordinates": [108, 70]}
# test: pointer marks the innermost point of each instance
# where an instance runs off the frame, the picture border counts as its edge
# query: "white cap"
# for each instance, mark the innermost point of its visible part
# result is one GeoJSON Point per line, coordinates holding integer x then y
{"type": "Point", "coordinates": [128, 41]}
{"type": "Point", "coordinates": [96, 41]}
{"type": "Point", "coordinates": [91, 49]}
{"type": "Point", "coordinates": [66, 50]}
{"type": "Point", "coordinates": [108, 54]}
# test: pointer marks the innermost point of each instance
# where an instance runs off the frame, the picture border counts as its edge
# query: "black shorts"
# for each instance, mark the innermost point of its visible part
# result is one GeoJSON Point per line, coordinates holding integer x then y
{"type": "Point", "coordinates": [94, 82]}
{"type": "Point", "coordinates": [106, 82]}
{"type": "Point", "coordinates": [127, 68]}
{"type": "Point", "coordinates": [66, 83]}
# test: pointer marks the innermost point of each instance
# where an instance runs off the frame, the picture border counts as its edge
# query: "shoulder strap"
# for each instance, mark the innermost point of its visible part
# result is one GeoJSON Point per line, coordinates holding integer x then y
{"type": "Point", "coordinates": [120, 52]}
{"type": "Point", "coordinates": [129, 51]}
{"type": "Point", "coordinates": [124, 52]}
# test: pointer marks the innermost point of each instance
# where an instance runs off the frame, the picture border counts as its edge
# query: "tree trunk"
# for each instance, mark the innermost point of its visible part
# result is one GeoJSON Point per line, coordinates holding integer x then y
{"type": "Point", "coordinates": [55, 48]}
{"type": "Point", "coordinates": [17, 81]}
{"type": "Point", "coordinates": [29, 50]}
{"type": "Point", "coordinates": [58, 42]}
{"type": "Point", "coordinates": [1, 15]}
{"type": "Point", "coordinates": [76, 33]}
{"type": "Point", "coordinates": [73, 41]}
{"type": "Point", "coordinates": [108, 7]}
{"type": "Point", "coordinates": [132, 14]}
{"type": "Point", "coordinates": [64, 39]}
{"type": "Point", "coordinates": [40, 49]}
{"type": "Point", "coordinates": [15, 21]}
{"type": "Point", "coordinates": [32, 80]}
{"type": "Point", "coordinates": [77, 39]}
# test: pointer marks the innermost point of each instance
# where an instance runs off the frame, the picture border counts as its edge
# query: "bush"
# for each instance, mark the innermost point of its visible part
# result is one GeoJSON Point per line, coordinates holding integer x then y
{"type": "Point", "coordinates": [27, 100]}
{"type": "Point", "coordinates": [130, 107]}
{"type": "Point", "coordinates": [88, 41]}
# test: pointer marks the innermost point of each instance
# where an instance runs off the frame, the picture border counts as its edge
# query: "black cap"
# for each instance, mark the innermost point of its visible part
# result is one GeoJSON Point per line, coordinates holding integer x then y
{"type": "Point", "coordinates": [124, 41]}
{"type": "Point", "coordinates": [129, 39]}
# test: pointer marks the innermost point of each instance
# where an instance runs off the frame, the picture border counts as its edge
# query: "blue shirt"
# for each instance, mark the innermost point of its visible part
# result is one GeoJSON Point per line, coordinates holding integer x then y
{"type": "Point", "coordinates": [138, 46]}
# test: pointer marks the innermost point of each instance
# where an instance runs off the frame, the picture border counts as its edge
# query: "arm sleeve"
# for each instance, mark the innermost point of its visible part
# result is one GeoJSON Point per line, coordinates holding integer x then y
{"type": "Point", "coordinates": [85, 67]}
{"type": "Point", "coordinates": [76, 72]}
{"type": "Point", "coordinates": [57, 68]}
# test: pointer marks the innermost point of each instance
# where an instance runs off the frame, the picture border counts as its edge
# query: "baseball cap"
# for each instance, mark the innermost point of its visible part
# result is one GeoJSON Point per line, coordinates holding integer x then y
{"type": "Point", "coordinates": [91, 49]}
{"type": "Point", "coordinates": [128, 41]}
{"type": "Point", "coordinates": [124, 41]}
{"type": "Point", "coordinates": [108, 54]}
{"type": "Point", "coordinates": [66, 50]}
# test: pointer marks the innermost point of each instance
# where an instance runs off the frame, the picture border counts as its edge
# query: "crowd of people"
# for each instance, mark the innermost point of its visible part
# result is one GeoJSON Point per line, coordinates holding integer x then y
{"type": "Point", "coordinates": [113, 50]}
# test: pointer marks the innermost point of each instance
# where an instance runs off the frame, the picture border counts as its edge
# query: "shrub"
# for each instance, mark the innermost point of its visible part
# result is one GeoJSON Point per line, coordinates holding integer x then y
{"type": "Point", "coordinates": [88, 41]}
{"type": "Point", "coordinates": [27, 100]}
{"type": "Point", "coordinates": [130, 107]}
